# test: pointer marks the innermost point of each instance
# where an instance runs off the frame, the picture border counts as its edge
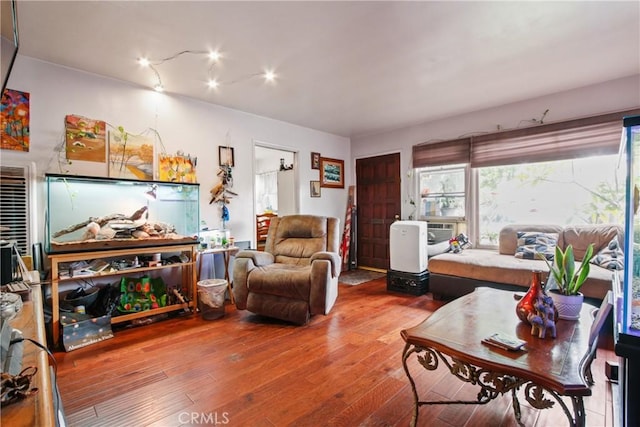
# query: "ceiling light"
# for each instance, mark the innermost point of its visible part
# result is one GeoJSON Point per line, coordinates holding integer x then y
{"type": "Point", "coordinates": [269, 76]}
{"type": "Point", "coordinates": [214, 56]}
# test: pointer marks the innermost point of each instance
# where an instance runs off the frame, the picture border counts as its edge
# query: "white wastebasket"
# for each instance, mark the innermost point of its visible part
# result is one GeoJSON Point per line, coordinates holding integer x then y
{"type": "Point", "coordinates": [211, 296]}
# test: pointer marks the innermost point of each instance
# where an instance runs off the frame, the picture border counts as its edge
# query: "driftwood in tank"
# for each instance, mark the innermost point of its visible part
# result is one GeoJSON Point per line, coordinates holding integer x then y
{"type": "Point", "coordinates": [101, 221]}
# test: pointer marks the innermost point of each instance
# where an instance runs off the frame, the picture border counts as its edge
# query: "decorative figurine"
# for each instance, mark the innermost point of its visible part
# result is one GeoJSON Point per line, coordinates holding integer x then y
{"type": "Point", "coordinates": [543, 319]}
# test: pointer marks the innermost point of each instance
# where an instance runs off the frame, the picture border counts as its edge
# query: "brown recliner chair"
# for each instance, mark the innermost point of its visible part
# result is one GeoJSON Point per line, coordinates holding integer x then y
{"type": "Point", "coordinates": [297, 274]}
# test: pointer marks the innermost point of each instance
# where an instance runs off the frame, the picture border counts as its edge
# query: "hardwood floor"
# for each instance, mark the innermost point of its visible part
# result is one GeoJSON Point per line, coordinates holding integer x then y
{"type": "Point", "coordinates": [344, 369]}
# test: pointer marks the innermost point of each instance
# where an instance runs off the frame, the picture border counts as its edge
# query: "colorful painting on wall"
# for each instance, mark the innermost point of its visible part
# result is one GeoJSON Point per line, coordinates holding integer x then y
{"type": "Point", "coordinates": [178, 168]}
{"type": "Point", "coordinates": [130, 156]}
{"type": "Point", "coordinates": [85, 139]}
{"type": "Point", "coordinates": [14, 117]}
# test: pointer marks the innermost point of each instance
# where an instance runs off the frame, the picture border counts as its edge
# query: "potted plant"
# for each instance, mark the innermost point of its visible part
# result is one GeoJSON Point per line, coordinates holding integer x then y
{"type": "Point", "coordinates": [447, 206]}
{"type": "Point", "coordinates": [565, 281]}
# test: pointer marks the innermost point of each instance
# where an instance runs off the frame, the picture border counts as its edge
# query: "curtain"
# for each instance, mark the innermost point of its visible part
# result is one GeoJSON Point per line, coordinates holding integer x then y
{"type": "Point", "coordinates": [267, 191]}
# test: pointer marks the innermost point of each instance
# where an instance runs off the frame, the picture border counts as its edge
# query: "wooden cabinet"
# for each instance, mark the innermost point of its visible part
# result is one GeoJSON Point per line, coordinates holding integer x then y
{"type": "Point", "coordinates": [184, 259]}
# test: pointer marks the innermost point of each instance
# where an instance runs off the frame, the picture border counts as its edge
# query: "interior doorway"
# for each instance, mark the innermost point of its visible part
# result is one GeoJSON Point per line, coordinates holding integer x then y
{"type": "Point", "coordinates": [275, 183]}
{"type": "Point", "coordinates": [378, 202]}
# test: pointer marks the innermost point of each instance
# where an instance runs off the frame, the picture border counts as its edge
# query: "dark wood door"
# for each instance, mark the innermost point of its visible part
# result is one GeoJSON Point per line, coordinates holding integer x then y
{"type": "Point", "coordinates": [378, 202]}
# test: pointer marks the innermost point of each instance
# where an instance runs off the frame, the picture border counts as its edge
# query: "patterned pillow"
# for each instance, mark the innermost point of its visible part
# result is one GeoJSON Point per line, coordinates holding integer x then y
{"type": "Point", "coordinates": [610, 257]}
{"type": "Point", "coordinates": [532, 243]}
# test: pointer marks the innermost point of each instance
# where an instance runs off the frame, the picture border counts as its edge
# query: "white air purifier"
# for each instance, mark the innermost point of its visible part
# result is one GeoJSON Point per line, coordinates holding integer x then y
{"type": "Point", "coordinates": [408, 246]}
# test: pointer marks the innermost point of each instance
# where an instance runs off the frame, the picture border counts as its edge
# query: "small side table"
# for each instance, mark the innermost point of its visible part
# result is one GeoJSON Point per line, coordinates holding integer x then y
{"type": "Point", "coordinates": [227, 253]}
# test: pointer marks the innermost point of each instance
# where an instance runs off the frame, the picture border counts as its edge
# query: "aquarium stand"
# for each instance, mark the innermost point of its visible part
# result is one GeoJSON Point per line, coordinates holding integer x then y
{"type": "Point", "coordinates": [181, 265]}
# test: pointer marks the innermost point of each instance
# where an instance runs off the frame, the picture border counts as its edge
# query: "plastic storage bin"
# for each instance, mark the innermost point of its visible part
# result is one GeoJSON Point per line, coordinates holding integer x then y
{"type": "Point", "coordinates": [211, 296]}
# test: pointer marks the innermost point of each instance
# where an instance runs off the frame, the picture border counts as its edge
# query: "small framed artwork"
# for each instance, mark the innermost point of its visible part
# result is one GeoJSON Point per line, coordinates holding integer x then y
{"type": "Point", "coordinates": [315, 160]}
{"type": "Point", "coordinates": [331, 173]}
{"type": "Point", "coordinates": [226, 156]}
{"type": "Point", "coordinates": [315, 188]}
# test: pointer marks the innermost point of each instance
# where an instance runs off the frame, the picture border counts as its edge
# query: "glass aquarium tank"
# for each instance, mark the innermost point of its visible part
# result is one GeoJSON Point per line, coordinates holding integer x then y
{"type": "Point", "coordinates": [627, 292]}
{"type": "Point", "coordinates": [95, 213]}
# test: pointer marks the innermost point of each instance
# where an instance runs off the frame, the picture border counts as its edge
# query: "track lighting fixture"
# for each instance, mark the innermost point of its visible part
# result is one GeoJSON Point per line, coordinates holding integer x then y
{"type": "Point", "coordinates": [214, 57]}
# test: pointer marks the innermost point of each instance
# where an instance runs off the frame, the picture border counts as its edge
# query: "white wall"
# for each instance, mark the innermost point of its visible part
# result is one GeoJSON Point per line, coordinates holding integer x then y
{"type": "Point", "coordinates": [615, 95]}
{"type": "Point", "coordinates": [268, 159]}
{"type": "Point", "coordinates": [195, 127]}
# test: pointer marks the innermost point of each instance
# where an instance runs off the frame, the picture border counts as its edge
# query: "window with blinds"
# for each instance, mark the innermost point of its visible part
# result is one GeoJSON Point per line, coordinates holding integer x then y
{"type": "Point", "coordinates": [14, 206]}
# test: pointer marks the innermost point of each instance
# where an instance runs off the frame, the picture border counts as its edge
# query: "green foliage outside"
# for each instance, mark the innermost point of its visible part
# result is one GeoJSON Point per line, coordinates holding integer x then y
{"type": "Point", "coordinates": [580, 191]}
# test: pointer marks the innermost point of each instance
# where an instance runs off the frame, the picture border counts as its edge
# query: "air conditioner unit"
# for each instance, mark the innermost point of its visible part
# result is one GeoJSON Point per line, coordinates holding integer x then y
{"type": "Point", "coordinates": [15, 197]}
{"type": "Point", "coordinates": [440, 231]}
{"type": "Point", "coordinates": [408, 246]}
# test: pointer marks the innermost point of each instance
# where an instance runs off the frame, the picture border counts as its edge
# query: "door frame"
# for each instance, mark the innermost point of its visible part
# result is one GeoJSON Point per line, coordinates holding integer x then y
{"type": "Point", "coordinates": [296, 172]}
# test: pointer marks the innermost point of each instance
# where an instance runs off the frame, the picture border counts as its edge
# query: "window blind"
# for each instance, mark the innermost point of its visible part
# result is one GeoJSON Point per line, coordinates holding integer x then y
{"type": "Point", "coordinates": [441, 153]}
{"type": "Point", "coordinates": [596, 135]}
{"type": "Point", "coordinates": [591, 136]}
{"type": "Point", "coordinates": [14, 207]}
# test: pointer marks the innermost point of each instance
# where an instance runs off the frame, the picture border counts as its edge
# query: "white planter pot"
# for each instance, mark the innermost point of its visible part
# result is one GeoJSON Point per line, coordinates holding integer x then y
{"type": "Point", "coordinates": [568, 306]}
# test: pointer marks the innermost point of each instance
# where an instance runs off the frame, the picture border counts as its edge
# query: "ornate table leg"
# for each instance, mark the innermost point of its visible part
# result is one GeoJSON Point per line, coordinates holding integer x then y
{"type": "Point", "coordinates": [578, 410]}
{"type": "Point", "coordinates": [492, 384]}
{"type": "Point", "coordinates": [535, 395]}
{"type": "Point", "coordinates": [405, 355]}
{"type": "Point", "coordinates": [516, 407]}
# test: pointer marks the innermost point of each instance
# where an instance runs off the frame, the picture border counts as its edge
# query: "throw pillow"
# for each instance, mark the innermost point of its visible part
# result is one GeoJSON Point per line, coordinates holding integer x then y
{"type": "Point", "coordinates": [532, 243]}
{"type": "Point", "coordinates": [610, 257]}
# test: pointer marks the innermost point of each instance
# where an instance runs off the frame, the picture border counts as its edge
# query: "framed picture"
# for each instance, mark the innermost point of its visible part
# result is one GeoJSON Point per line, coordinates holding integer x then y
{"type": "Point", "coordinates": [315, 160]}
{"type": "Point", "coordinates": [85, 139]}
{"type": "Point", "coordinates": [331, 173]}
{"type": "Point", "coordinates": [314, 189]}
{"type": "Point", "coordinates": [177, 168]}
{"type": "Point", "coordinates": [226, 156]}
{"type": "Point", "coordinates": [14, 115]}
{"type": "Point", "coordinates": [131, 156]}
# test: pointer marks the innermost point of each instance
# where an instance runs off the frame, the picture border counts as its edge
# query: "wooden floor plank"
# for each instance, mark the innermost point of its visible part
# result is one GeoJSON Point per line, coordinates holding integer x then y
{"type": "Point", "coordinates": [343, 369]}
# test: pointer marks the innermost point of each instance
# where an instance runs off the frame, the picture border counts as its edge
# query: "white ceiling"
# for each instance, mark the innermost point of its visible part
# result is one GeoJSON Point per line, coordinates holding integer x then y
{"type": "Point", "coordinates": [348, 68]}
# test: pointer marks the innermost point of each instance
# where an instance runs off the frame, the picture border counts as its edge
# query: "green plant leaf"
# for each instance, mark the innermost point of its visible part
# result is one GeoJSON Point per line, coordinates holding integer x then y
{"type": "Point", "coordinates": [583, 271]}
{"type": "Point", "coordinates": [570, 266]}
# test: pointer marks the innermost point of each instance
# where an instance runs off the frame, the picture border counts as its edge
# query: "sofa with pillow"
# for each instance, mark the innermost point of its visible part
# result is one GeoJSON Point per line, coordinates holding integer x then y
{"type": "Point", "coordinates": [510, 266]}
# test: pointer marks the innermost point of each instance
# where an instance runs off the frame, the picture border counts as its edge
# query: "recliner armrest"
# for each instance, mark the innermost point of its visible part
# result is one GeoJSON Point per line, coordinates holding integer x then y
{"type": "Point", "coordinates": [259, 258]}
{"type": "Point", "coordinates": [332, 257]}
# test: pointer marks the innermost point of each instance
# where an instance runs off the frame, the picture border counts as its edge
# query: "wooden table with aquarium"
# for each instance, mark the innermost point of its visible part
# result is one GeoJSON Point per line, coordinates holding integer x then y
{"type": "Point", "coordinates": [545, 368]}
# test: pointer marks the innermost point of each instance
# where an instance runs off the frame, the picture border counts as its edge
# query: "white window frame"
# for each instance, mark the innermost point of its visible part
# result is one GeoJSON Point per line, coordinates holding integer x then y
{"type": "Point", "coordinates": [440, 218]}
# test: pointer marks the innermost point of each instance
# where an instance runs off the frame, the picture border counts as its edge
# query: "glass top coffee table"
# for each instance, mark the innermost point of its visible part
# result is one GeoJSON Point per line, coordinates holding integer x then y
{"type": "Point", "coordinates": [545, 368]}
